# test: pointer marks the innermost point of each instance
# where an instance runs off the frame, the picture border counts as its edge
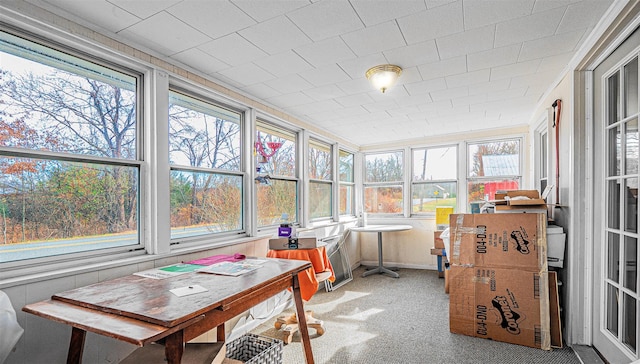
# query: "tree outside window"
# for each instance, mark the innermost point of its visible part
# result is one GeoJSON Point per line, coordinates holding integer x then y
{"type": "Point", "coordinates": [383, 183]}
{"type": "Point", "coordinates": [434, 181]}
{"type": "Point", "coordinates": [68, 152]}
{"type": "Point", "coordinates": [320, 180]}
{"type": "Point", "coordinates": [277, 183]}
{"type": "Point", "coordinates": [347, 184]}
{"type": "Point", "coordinates": [204, 155]}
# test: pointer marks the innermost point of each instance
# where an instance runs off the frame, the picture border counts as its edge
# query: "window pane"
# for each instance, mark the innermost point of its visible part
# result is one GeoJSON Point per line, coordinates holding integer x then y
{"type": "Point", "coordinates": [385, 199]}
{"type": "Point", "coordinates": [486, 190]}
{"type": "Point", "coordinates": [613, 196]}
{"type": "Point", "coordinates": [53, 207]}
{"type": "Point", "coordinates": [274, 199]}
{"type": "Point", "coordinates": [631, 143]}
{"type": "Point", "coordinates": [612, 310]}
{"type": "Point", "coordinates": [384, 167]}
{"type": "Point", "coordinates": [55, 102]}
{"type": "Point", "coordinates": [347, 198]}
{"type": "Point", "coordinates": [346, 190]}
{"type": "Point", "coordinates": [613, 103]}
{"type": "Point", "coordinates": [631, 205]}
{"type": "Point", "coordinates": [435, 164]}
{"type": "Point", "coordinates": [494, 159]}
{"type": "Point", "coordinates": [276, 151]}
{"type": "Point", "coordinates": [613, 257]}
{"type": "Point", "coordinates": [202, 134]}
{"type": "Point", "coordinates": [630, 263]}
{"type": "Point", "coordinates": [615, 146]}
{"type": "Point", "coordinates": [319, 161]}
{"type": "Point", "coordinates": [629, 322]}
{"type": "Point", "coordinates": [204, 203]}
{"type": "Point", "coordinates": [426, 196]}
{"type": "Point", "coordinates": [346, 166]}
{"type": "Point", "coordinates": [320, 199]}
{"type": "Point", "coordinates": [631, 88]}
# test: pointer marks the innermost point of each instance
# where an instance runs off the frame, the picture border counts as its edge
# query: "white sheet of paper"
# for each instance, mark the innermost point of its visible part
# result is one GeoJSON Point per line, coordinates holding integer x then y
{"type": "Point", "coordinates": [189, 290]}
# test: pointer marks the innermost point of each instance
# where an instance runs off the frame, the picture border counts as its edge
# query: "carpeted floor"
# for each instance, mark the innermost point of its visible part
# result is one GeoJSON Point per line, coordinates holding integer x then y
{"type": "Point", "coordinates": [384, 320]}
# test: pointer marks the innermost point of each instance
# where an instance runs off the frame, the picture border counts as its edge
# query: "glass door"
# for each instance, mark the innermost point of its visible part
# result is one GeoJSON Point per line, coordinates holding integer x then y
{"type": "Point", "coordinates": [616, 303]}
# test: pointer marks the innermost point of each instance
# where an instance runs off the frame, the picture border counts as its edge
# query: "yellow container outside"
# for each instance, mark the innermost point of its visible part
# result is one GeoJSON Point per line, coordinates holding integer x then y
{"type": "Point", "coordinates": [442, 216]}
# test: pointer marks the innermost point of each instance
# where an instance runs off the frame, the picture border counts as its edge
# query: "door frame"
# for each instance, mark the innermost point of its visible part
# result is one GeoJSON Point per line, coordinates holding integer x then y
{"type": "Point", "coordinates": [581, 323]}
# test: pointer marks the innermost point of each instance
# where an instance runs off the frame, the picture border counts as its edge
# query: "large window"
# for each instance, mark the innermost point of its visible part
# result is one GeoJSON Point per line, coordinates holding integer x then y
{"type": "Point", "coordinates": [277, 183]}
{"type": "Point", "coordinates": [347, 183]}
{"type": "Point", "coordinates": [206, 179]}
{"type": "Point", "coordinates": [492, 166]}
{"type": "Point", "coordinates": [383, 183]}
{"type": "Point", "coordinates": [320, 180]}
{"type": "Point", "coordinates": [435, 178]}
{"type": "Point", "coordinates": [69, 153]}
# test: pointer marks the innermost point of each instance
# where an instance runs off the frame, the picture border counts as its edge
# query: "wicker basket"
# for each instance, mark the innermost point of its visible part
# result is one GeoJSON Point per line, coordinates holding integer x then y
{"type": "Point", "coordinates": [254, 349]}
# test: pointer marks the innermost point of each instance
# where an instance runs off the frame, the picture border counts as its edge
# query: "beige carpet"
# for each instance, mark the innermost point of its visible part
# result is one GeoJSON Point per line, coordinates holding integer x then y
{"type": "Point", "coordinates": [379, 319]}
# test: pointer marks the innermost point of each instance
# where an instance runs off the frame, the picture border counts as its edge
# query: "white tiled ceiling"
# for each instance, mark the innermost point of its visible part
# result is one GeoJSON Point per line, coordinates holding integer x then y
{"type": "Point", "coordinates": [468, 65]}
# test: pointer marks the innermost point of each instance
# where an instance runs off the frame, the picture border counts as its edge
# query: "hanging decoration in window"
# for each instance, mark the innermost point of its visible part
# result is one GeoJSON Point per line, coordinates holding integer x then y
{"type": "Point", "coordinates": [263, 156]}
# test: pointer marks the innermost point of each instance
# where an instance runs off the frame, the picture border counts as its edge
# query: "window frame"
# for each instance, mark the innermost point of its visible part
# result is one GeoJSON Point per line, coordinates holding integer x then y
{"type": "Point", "coordinates": [321, 181]}
{"type": "Point", "coordinates": [543, 154]}
{"type": "Point", "coordinates": [86, 52]}
{"type": "Point", "coordinates": [399, 183]}
{"type": "Point", "coordinates": [269, 123]}
{"type": "Point", "coordinates": [415, 183]}
{"type": "Point", "coordinates": [471, 179]}
{"type": "Point", "coordinates": [342, 183]}
{"type": "Point", "coordinates": [203, 96]}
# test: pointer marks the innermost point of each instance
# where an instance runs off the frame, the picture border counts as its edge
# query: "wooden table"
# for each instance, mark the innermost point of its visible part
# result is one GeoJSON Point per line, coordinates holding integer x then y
{"type": "Point", "coordinates": [141, 310]}
{"type": "Point", "coordinates": [381, 229]}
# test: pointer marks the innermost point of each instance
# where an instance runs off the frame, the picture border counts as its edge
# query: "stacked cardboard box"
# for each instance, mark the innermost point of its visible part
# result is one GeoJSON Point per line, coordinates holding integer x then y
{"type": "Point", "coordinates": [519, 201]}
{"type": "Point", "coordinates": [498, 279]}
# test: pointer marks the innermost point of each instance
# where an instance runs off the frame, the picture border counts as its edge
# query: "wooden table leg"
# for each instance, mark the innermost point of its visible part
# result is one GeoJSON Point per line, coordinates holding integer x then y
{"type": "Point", "coordinates": [221, 335]}
{"type": "Point", "coordinates": [174, 347]}
{"type": "Point", "coordinates": [76, 346]}
{"type": "Point", "coordinates": [302, 321]}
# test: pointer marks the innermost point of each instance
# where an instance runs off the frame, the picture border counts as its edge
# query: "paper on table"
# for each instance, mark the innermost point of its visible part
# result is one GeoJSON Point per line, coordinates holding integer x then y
{"type": "Point", "coordinates": [229, 268]}
{"type": "Point", "coordinates": [189, 290]}
{"type": "Point", "coordinates": [168, 271]}
{"type": "Point", "coordinates": [255, 261]}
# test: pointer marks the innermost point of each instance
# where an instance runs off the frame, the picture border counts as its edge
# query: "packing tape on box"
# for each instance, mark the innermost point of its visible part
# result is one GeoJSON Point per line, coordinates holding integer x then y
{"type": "Point", "coordinates": [459, 230]}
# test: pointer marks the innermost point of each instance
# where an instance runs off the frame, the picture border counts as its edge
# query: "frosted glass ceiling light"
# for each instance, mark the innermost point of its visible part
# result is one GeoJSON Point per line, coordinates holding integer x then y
{"type": "Point", "coordinates": [384, 76]}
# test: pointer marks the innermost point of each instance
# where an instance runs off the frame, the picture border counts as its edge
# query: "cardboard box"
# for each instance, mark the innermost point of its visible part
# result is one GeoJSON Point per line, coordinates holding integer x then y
{"type": "Point", "coordinates": [292, 243]}
{"type": "Point", "coordinates": [505, 305]}
{"type": "Point", "coordinates": [521, 209]}
{"type": "Point", "coordinates": [509, 202]}
{"type": "Point", "coordinates": [439, 252]}
{"type": "Point", "coordinates": [555, 324]}
{"type": "Point", "coordinates": [515, 241]}
{"type": "Point", "coordinates": [438, 243]}
{"type": "Point", "coordinates": [532, 198]}
{"type": "Point", "coordinates": [519, 197]}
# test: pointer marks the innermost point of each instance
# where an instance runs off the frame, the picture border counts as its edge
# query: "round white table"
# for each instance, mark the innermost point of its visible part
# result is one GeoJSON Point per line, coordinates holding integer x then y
{"type": "Point", "coordinates": [381, 229]}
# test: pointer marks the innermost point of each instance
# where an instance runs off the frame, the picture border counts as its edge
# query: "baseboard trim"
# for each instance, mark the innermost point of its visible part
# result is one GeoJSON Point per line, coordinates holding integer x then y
{"type": "Point", "coordinates": [371, 263]}
{"type": "Point", "coordinates": [587, 354]}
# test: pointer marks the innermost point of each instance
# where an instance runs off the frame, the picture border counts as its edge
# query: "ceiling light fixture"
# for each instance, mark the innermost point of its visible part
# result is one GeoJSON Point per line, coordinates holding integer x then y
{"type": "Point", "coordinates": [383, 76]}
